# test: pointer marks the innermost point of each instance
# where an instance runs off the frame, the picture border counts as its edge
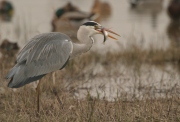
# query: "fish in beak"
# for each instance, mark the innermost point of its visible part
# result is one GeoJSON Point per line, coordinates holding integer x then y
{"type": "Point", "coordinates": [105, 31]}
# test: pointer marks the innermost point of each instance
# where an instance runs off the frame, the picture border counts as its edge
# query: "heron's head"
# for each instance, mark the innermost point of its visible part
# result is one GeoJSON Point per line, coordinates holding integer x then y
{"type": "Point", "coordinates": [95, 28]}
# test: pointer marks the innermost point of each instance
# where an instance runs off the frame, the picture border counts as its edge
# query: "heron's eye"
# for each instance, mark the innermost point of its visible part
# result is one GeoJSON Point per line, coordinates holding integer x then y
{"type": "Point", "coordinates": [97, 27]}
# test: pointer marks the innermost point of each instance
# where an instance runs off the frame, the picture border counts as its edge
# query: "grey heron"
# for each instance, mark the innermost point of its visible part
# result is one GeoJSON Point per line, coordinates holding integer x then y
{"type": "Point", "coordinates": [48, 52]}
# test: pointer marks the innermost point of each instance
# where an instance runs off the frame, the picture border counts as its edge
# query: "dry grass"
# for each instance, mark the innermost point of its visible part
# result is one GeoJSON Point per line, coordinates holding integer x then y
{"type": "Point", "coordinates": [17, 107]}
{"type": "Point", "coordinates": [21, 105]}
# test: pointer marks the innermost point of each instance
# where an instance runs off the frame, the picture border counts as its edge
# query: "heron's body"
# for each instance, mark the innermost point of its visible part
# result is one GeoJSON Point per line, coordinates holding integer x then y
{"type": "Point", "coordinates": [44, 53]}
{"type": "Point", "coordinates": [49, 52]}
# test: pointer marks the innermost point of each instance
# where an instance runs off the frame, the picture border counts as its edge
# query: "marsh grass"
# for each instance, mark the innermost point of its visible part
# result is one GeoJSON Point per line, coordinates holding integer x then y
{"type": "Point", "coordinates": [17, 107]}
{"type": "Point", "coordinates": [20, 105]}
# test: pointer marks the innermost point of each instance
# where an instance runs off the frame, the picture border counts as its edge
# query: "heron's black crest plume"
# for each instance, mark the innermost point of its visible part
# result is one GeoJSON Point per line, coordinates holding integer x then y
{"type": "Point", "coordinates": [91, 23]}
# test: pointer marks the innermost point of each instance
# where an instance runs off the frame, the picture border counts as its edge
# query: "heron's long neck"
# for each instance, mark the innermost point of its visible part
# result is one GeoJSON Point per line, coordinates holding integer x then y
{"type": "Point", "coordinates": [84, 45]}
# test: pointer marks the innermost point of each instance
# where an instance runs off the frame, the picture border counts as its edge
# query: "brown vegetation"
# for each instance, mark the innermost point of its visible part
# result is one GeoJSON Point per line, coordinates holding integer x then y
{"type": "Point", "coordinates": [20, 105]}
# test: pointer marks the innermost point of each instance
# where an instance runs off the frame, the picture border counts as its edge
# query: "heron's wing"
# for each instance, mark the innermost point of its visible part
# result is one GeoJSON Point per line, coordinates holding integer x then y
{"type": "Point", "coordinates": [31, 45]}
{"type": "Point", "coordinates": [45, 53]}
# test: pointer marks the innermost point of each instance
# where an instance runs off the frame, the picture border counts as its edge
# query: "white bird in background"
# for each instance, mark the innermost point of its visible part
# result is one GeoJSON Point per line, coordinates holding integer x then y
{"type": "Point", "coordinates": [48, 52]}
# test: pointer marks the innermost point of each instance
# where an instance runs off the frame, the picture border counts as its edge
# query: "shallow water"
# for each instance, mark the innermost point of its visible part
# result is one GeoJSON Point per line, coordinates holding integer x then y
{"type": "Point", "coordinates": [131, 83]}
{"type": "Point", "coordinates": [147, 24]}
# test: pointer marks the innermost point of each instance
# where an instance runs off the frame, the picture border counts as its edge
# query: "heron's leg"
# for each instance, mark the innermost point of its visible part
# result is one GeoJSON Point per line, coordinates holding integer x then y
{"type": "Point", "coordinates": [38, 92]}
{"type": "Point", "coordinates": [55, 92]}
{"type": "Point", "coordinates": [35, 84]}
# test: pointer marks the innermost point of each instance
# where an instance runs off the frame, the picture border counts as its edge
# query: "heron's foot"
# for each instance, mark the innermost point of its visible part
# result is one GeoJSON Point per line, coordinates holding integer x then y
{"type": "Point", "coordinates": [59, 100]}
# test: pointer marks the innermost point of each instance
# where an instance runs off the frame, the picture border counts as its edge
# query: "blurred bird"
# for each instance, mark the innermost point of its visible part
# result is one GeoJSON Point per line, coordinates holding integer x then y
{"type": "Point", "coordinates": [136, 3]}
{"type": "Point", "coordinates": [102, 10]}
{"type": "Point", "coordinates": [67, 8]}
{"type": "Point", "coordinates": [174, 10]}
{"type": "Point", "coordinates": [6, 10]}
{"type": "Point", "coordinates": [48, 52]}
{"type": "Point", "coordinates": [71, 15]}
{"type": "Point", "coordinates": [8, 48]}
{"type": "Point", "coordinates": [173, 31]}
{"type": "Point", "coordinates": [148, 8]}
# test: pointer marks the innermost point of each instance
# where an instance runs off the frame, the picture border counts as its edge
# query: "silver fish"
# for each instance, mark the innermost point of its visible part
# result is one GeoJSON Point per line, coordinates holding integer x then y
{"type": "Point", "coordinates": [105, 33]}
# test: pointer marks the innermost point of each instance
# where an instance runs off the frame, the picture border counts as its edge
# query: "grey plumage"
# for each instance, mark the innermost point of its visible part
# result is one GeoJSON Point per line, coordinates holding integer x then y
{"type": "Point", "coordinates": [43, 54]}
{"type": "Point", "coordinates": [49, 52]}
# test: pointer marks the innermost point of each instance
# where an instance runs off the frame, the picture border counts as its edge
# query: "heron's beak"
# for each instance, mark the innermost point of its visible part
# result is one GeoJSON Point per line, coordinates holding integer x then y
{"type": "Point", "coordinates": [105, 31]}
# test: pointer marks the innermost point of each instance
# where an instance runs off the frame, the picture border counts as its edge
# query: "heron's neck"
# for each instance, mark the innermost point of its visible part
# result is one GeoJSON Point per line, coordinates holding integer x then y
{"type": "Point", "coordinates": [85, 45]}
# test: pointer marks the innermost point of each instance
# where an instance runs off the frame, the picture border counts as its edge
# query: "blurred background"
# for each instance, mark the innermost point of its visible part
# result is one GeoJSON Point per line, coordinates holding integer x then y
{"type": "Point", "coordinates": [150, 35]}
{"type": "Point", "coordinates": [147, 21]}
